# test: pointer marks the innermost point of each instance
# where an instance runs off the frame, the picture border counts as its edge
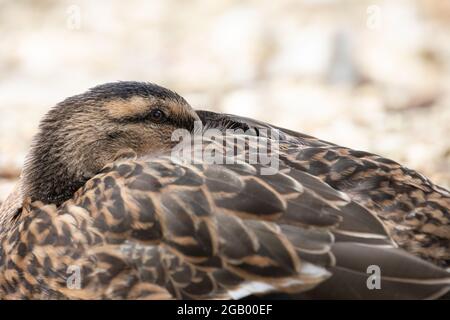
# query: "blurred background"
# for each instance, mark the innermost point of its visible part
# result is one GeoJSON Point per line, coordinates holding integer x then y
{"type": "Point", "coordinates": [370, 75]}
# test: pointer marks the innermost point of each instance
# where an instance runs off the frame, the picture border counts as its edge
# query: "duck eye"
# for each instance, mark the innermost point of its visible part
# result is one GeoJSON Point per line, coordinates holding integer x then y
{"type": "Point", "coordinates": [157, 115]}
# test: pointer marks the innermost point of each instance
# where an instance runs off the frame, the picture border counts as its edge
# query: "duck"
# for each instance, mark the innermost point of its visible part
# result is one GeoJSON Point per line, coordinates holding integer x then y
{"type": "Point", "coordinates": [110, 206]}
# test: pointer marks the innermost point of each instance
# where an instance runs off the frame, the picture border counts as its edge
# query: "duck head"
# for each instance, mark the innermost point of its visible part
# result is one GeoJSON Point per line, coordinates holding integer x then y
{"type": "Point", "coordinates": [83, 133]}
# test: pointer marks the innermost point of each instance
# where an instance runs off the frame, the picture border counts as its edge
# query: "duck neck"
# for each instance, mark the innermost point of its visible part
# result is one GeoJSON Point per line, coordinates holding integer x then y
{"type": "Point", "coordinates": [50, 179]}
{"type": "Point", "coordinates": [11, 206]}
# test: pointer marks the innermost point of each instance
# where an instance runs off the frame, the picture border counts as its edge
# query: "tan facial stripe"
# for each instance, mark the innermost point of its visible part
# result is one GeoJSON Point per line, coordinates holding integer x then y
{"type": "Point", "coordinates": [125, 108]}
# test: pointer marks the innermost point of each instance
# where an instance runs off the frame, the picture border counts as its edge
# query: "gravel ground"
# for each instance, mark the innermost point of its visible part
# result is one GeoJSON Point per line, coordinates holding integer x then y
{"type": "Point", "coordinates": [371, 75]}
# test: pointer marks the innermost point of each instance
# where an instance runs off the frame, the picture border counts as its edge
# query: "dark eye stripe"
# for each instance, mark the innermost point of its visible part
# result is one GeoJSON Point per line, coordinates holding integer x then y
{"type": "Point", "coordinates": [182, 122]}
{"type": "Point", "coordinates": [178, 122]}
{"type": "Point", "coordinates": [142, 117]}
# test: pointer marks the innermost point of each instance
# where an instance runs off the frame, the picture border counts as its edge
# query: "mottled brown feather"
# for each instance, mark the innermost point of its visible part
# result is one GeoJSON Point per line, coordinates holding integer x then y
{"type": "Point", "coordinates": [157, 227]}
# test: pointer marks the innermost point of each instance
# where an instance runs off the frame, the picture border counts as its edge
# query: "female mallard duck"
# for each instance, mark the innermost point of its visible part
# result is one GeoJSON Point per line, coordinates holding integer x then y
{"type": "Point", "coordinates": [105, 210]}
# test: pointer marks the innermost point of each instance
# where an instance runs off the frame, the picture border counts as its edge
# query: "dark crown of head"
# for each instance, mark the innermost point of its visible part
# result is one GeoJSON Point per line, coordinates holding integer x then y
{"type": "Point", "coordinates": [127, 89]}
